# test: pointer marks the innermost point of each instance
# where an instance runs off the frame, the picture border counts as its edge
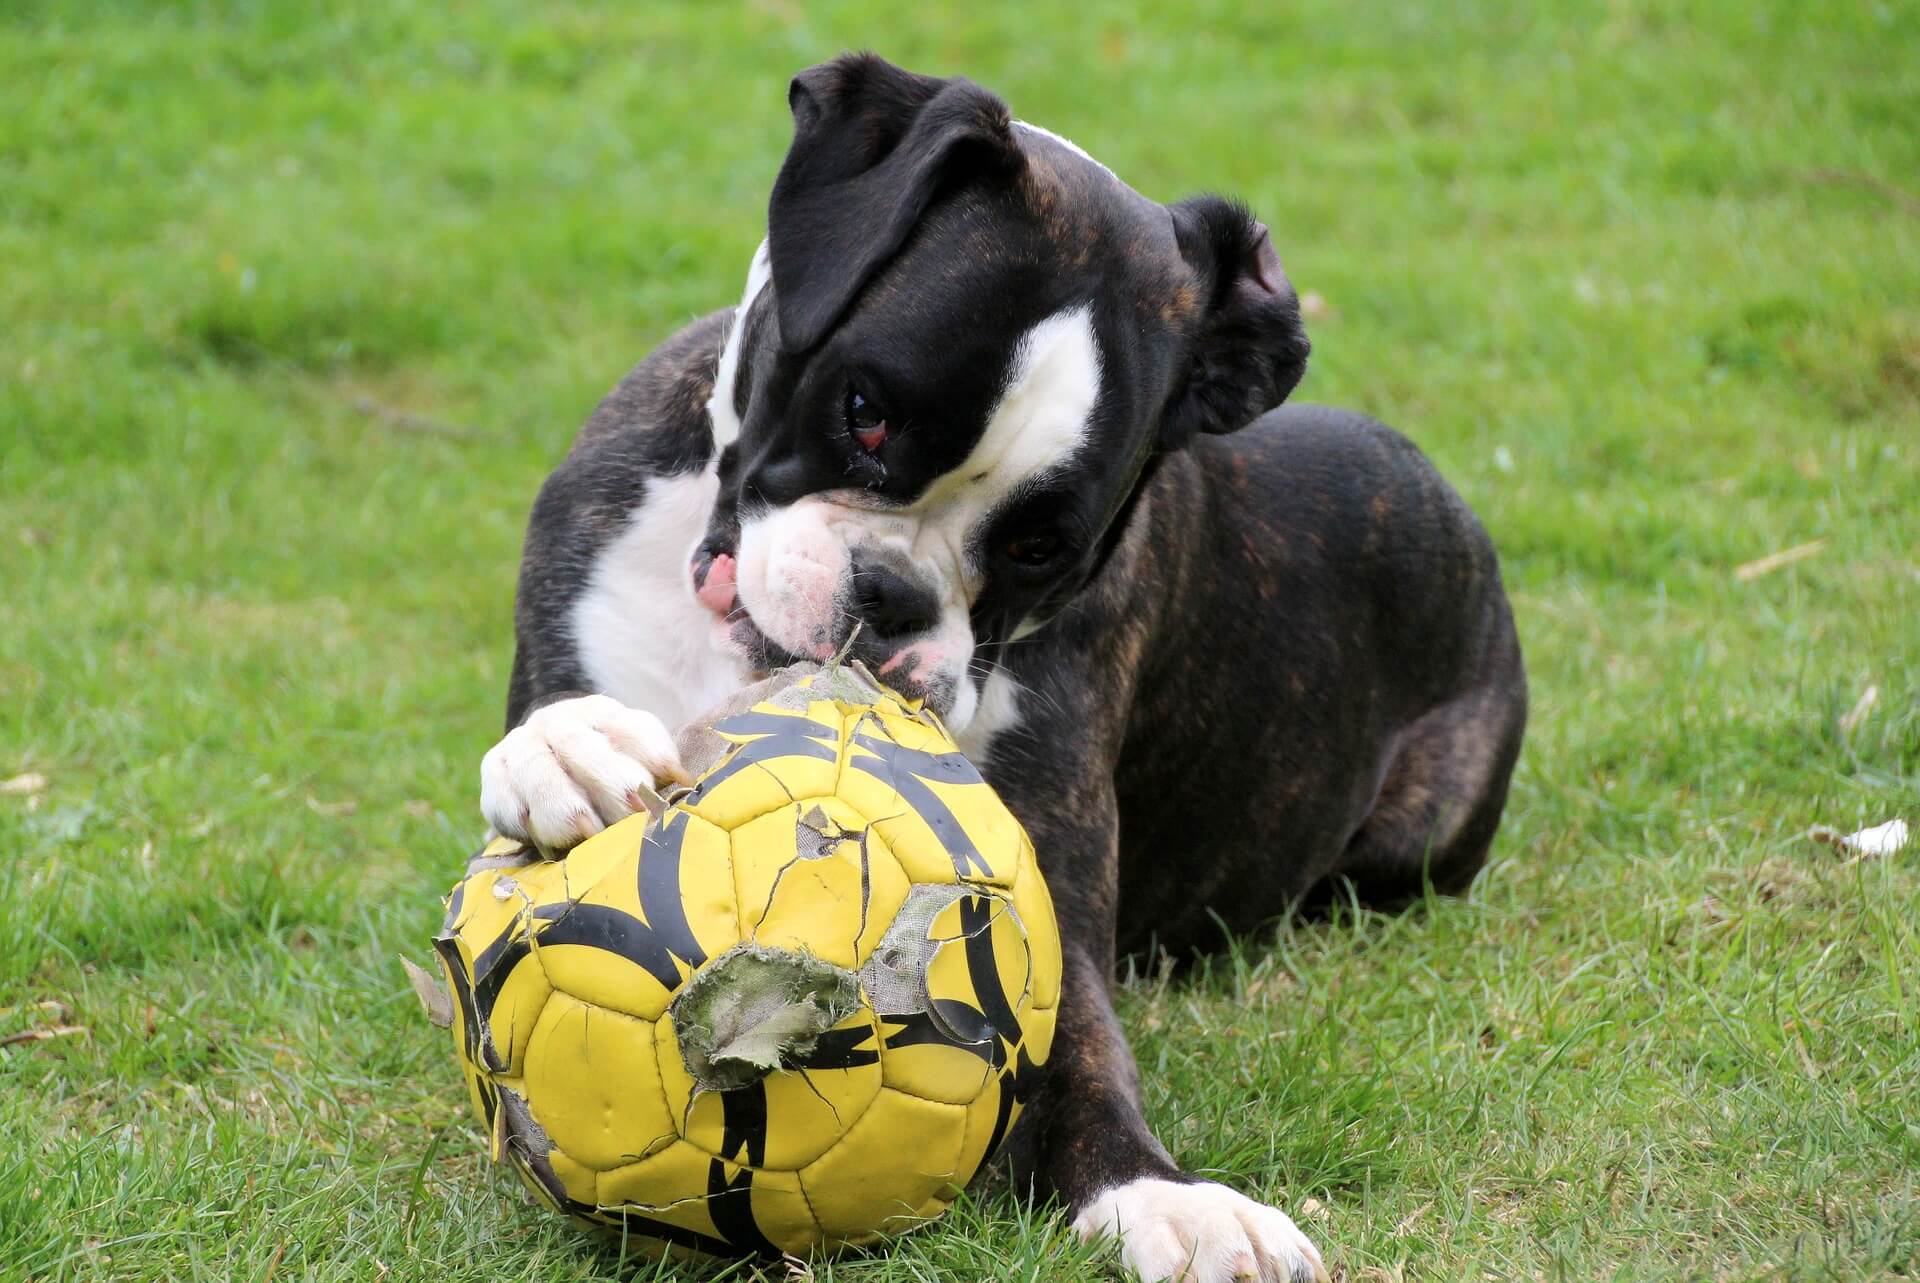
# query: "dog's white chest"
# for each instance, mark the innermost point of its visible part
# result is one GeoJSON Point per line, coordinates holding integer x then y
{"type": "Point", "coordinates": [641, 635]}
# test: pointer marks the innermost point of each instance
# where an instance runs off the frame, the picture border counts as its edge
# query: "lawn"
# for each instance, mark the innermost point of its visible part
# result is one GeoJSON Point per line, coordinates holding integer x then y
{"type": "Point", "coordinates": [299, 302]}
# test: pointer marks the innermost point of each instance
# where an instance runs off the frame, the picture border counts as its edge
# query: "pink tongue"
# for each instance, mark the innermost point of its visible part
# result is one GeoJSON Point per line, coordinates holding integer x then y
{"type": "Point", "coordinates": [717, 593]}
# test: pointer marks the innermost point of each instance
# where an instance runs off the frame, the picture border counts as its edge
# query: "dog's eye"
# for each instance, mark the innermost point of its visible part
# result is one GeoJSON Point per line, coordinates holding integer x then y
{"type": "Point", "coordinates": [1034, 550]}
{"type": "Point", "coordinates": [866, 421]}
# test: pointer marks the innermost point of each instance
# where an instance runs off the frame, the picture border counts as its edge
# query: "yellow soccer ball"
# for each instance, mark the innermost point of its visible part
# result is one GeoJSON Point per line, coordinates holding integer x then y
{"type": "Point", "coordinates": [797, 1010]}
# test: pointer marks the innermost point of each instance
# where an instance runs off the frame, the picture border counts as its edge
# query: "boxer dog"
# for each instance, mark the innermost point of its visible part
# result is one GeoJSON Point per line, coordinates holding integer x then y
{"type": "Point", "coordinates": [1010, 426]}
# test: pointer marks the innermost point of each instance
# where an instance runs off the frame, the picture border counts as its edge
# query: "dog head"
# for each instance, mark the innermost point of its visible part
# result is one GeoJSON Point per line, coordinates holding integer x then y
{"type": "Point", "coordinates": [958, 349]}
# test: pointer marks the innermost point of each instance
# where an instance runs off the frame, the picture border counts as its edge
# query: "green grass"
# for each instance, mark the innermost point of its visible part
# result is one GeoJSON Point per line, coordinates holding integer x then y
{"type": "Point", "coordinates": [1614, 268]}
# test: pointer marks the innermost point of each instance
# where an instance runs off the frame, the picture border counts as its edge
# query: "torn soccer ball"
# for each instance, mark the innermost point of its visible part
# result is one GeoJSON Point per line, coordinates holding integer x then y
{"type": "Point", "coordinates": [797, 1010]}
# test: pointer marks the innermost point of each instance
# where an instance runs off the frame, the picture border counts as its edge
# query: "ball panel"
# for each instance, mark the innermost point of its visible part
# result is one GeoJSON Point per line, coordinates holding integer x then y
{"type": "Point", "coordinates": [492, 917]}
{"type": "Point", "coordinates": [1034, 904]}
{"type": "Point", "coordinates": [781, 1212]}
{"type": "Point", "coordinates": [477, 1082]}
{"type": "Point", "coordinates": [987, 1126]}
{"type": "Point", "coordinates": [903, 728]}
{"type": "Point", "coordinates": [1037, 1026]}
{"type": "Point", "coordinates": [811, 877]}
{"type": "Point", "coordinates": [908, 774]}
{"type": "Point", "coordinates": [939, 833]}
{"type": "Point", "coordinates": [974, 977]}
{"type": "Point", "coordinates": [1008, 953]}
{"type": "Point", "coordinates": [779, 754]}
{"type": "Point", "coordinates": [498, 992]}
{"type": "Point", "coordinates": [670, 1187]}
{"type": "Point", "coordinates": [789, 1118]}
{"type": "Point", "coordinates": [702, 855]}
{"type": "Point", "coordinates": [483, 949]}
{"type": "Point", "coordinates": [919, 1062]}
{"type": "Point", "coordinates": [978, 970]}
{"type": "Point", "coordinates": [579, 1182]}
{"type": "Point", "coordinates": [681, 1186]}
{"type": "Point", "coordinates": [627, 941]}
{"type": "Point", "coordinates": [931, 1210]}
{"type": "Point", "coordinates": [605, 979]}
{"type": "Point", "coordinates": [516, 1009]}
{"type": "Point", "coordinates": [670, 1063]}
{"type": "Point", "coordinates": [491, 903]}
{"type": "Point", "coordinates": [592, 1086]}
{"type": "Point", "coordinates": [888, 1169]}
{"type": "Point", "coordinates": [840, 714]}
{"type": "Point", "coordinates": [602, 856]}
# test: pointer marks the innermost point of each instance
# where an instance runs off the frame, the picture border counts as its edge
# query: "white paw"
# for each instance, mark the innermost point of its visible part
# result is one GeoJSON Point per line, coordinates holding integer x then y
{"type": "Point", "coordinates": [573, 768]}
{"type": "Point", "coordinates": [1200, 1233]}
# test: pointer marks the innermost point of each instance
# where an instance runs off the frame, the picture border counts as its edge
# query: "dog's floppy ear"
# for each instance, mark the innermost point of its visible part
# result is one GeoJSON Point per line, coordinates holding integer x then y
{"type": "Point", "coordinates": [1250, 349]}
{"type": "Point", "coordinates": [872, 145]}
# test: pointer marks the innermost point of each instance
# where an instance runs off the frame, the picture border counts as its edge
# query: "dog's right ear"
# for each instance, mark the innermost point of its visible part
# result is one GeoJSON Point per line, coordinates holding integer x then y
{"type": "Point", "coordinates": [872, 145]}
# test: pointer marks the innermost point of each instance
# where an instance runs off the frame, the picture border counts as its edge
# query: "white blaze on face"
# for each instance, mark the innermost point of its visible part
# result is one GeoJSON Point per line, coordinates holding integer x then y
{"type": "Point", "coordinates": [796, 562]}
{"type": "Point", "coordinates": [720, 411]}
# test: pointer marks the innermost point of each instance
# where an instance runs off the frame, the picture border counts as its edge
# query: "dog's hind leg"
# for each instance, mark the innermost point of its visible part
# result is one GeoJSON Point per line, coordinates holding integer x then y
{"type": "Point", "coordinates": [1443, 792]}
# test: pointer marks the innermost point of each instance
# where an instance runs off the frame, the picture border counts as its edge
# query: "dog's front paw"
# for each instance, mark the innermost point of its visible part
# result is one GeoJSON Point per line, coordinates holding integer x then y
{"type": "Point", "coordinates": [1200, 1233]}
{"type": "Point", "coordinates": [573, 768]}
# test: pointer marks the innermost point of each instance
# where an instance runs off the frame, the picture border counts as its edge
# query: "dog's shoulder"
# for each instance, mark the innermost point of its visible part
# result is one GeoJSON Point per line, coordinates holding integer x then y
{"type": "Point", "coordinates": [642, 456]}
{"type": "Point", "coordinates": [656, 416]}
{"type": "Point", "coordinates": [653, 424]}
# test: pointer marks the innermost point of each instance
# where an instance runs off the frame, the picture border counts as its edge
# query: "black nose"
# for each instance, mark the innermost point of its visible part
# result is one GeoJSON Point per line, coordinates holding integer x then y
{"type": "Point", "coordinates": [892, 606]}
